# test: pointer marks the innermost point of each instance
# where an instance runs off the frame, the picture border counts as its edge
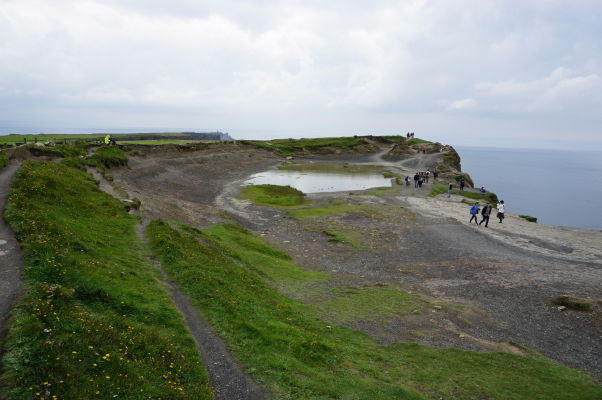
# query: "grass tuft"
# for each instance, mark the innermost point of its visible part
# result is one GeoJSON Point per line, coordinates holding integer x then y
{"type": "Point", "coordinates": [273, 195]}
{"type": "Point", "coordinates": [572, 302]}
{"type": "Point", "coordinates": [529, 218]}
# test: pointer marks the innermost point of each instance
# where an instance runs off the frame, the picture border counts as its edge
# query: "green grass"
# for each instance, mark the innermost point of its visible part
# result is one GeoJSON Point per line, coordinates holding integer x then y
{"type": "Point", "coordinates": [77, 149]}
{"type": "Point", "coordinates": [96, 137]}
{"type": "Point", "coordinates": [342, 237]}
{"type": "Point", "coordinates": [110, 156]}
{"type": "Point", "coordinates": [488, 197]}
{"type": "Point", "coordinates": [155, 142]}
{"type": "Point", "coordinates": [95, 321]}
{"type": "Point", "coordinates": [3, 159]}
{"type": "Point", "coordinates": [295, 354]}
{"type": "Point", "coordinates": [288, 147]}
{"type": "Point", "coordinates": [372, 303]}
{"type": "Point", "coordinates": [529, 218]}
{"type": "Point", "coordinates": [337, 168]}
{"type": "Point", "coordinates": [417, 141]}
{"type": "Point", "coordinates": [273, 195]}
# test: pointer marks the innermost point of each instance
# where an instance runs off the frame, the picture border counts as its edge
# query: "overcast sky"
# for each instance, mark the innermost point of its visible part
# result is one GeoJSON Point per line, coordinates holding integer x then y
{"type": "Point", "coordinates": [465, 72]}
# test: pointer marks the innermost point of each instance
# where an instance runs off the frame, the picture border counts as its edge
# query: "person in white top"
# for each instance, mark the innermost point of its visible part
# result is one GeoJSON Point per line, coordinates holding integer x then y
{"type": "Point", "coordinates": [501, 209]}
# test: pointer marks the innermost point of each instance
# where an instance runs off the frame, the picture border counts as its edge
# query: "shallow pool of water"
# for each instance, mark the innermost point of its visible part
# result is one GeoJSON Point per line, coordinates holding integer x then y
{"type": "Point", "coordinates": [316, 182]}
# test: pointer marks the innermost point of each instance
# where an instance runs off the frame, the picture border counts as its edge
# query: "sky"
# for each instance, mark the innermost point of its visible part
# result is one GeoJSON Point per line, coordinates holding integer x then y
{"type": "Point", "coordinates": [466, 72]}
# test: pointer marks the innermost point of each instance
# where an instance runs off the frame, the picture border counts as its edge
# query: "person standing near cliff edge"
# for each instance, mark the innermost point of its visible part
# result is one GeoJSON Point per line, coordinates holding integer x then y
{"type": "Point", "coordinates": [449, 190]}
{"type": "Point", "coordinates": [485, 212]}
{"type": "Point", "coordinates": [501, 209]}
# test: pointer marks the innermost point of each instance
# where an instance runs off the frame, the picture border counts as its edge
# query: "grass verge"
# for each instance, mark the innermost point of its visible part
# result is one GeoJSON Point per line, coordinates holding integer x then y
{"type": "Point", "coordinates": [287, 147]}
{"type": "Point", "coordinates": [3, 159]}
{"type": "Point", "coordinates": [95, 321]}
{"type": "Point", "coordinates": [295, 354]}
{"type": "Point", "coordinates": [273, 195]}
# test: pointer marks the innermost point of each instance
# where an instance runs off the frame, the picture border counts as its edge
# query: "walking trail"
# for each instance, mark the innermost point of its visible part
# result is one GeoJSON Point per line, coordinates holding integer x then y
{"type": "Point", "coordinates": [11, 260]}
{"type": "Point", "coordinates": [227, 378]}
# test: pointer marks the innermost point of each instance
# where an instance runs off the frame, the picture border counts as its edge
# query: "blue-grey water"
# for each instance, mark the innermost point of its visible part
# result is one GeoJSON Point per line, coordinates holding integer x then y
{"type": "Point", "coordinates": [558, 187]}
{"type": "Point", "coordinates": [315, 182]}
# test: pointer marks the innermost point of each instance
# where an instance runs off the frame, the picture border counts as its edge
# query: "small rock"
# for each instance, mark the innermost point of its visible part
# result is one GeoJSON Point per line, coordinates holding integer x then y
{"type": "Point", "coordinates": [438, 307]}
{"type": "Point", "coordinates": [560, 308]}
{"type": "Point", "coordinates": [461, 335]}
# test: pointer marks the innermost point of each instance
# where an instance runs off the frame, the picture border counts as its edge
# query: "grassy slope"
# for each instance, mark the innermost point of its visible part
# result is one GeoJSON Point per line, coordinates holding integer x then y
{"type": "Point", "coordinates": [291, 146]}
{"type": "Point", "coordinates": [95, 322]}
{"type": "Point", "coordinates": [3, 159]}
{"type": "Point", "coordinates": [294, 353]}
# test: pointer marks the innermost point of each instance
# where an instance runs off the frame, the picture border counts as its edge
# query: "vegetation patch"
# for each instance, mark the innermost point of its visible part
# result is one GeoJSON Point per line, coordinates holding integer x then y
{"type": "Point", "coordinates": [336, 168]}
{"type": "Point", "coordinates": [341, 237]}
{"type": "Point", "coordinates": [488, 197]}
{"type": "Point", "coordinates": [417, 141]}
{"type": "Point", "coordinates": [572, 302]}
{"type": "Point", "coordinates": [274, 195]}
{"type": "Point", "coordinates": [3, 159]}
{"type": "Point", "coordinates": [95, 322]}
{"type": "Point", "coordinates": [372, 303]}
{"type": "Point", "coordinates": [287, 147]}
{"type": "Point", "coordinates": [296, 355]}
{"type": "Point", "coordinates": [529, 218]}
{"type": "Point", "coordinates": [110, 156]}
{"type": "Point", "coordinates": [76, 149]}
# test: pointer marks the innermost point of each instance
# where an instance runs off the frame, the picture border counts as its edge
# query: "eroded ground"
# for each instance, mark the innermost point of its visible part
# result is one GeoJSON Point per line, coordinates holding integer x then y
{"type": "Point", "coordinates": [397, 264]}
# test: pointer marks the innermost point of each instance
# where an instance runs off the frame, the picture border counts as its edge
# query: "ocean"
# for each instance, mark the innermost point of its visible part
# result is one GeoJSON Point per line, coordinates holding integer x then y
{"type": "Point", "coordinates": [558, 187]}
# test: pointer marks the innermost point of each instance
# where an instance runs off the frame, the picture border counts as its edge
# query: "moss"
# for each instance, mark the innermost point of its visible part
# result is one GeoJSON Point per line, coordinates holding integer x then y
{"type": "Point", "coordinates": [529, 218]}
{"type": "Point", "coordinates": [574, 303]}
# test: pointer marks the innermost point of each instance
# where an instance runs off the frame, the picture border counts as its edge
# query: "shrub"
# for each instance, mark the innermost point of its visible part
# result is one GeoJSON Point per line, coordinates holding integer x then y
{"type": "Point", "coordinates": [529, 218]}
{"type": "Point", "coordinates": [3, 159]}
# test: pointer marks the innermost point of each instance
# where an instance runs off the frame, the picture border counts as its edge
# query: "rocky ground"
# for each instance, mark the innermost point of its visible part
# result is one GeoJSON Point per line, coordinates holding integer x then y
{"type": "Point", "coordinates": [483, 288]}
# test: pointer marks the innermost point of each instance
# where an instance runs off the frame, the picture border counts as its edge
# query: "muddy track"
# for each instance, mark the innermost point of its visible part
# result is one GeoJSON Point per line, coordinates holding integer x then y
{"type": "Point", "coordinates": [11, 259]}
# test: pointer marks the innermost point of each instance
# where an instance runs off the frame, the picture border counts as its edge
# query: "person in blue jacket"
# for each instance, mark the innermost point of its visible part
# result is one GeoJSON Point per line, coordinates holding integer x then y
{"type": "Point", "coordinates": [474, 211]}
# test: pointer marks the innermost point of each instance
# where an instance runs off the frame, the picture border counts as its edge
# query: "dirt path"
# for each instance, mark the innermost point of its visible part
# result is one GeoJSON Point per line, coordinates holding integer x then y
{"type": "Point", "coordinates": [228, 380]}
{"type": "Point", "coordinates": [11, 260]}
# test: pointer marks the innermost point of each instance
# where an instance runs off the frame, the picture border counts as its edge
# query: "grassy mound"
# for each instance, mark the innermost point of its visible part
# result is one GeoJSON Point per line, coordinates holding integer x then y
{"type": "Point", "coordinates": [76, 149]}
{"type": "Point", "coordinates": [110, 156]}
{"type": "Point", "coordinates": [273, 195]}
{"type": "Point", "coordinates": [95, 322]}
{"type": "Point", "coordinates": [572, 302]}
{"type": "Point", "coordinates": [295, 354]}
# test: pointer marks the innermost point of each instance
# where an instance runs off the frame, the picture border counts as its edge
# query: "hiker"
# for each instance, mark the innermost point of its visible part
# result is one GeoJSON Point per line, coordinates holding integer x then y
{"type": "Point", "coordinates": [482, 189]}
{"type": "Point", "coordinates": [423, 149]}
{"type": "Point", "coordinates": [474, 211]}
{"type": "Point", "coordinates": [485, 212]}
{"type": "Point", "coordinates": [112, 141]}
{"type": "Point", "coordinates": [462, 184]}
{"type": "Point", "coordinates": [408, 135]}
{"type": "Point", "coordinates": [427, 175]}
{"type": "Point", "coordinates": [420, 181]}
{"type": "Point", "coordinates": [407, 181]}
{"type": "Point", "coordinates": [108, 140]}
{"type": "Point", "coordinates": [449, 190]}
{"type": "Point", "coordinates": [501, 209]}
{"type": "Point", "coordinates": [416, 177]}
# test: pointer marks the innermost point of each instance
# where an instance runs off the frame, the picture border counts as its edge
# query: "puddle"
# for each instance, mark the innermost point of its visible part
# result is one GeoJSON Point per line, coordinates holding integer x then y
{"type": "Point", "coordinates": [316, 182]}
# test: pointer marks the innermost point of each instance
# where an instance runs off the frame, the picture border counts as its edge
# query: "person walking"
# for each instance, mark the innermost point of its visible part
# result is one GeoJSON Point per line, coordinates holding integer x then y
{"type": "Point", "coordinates": [462, 184]}
{"type": "Point", "coordinates": [449, 189]}
{"type": "Point", "coordinates": [501, 209]}
{"type": "Point", "coordinates": [416, 177]}
{"type": "Point", "coordinates": [423, 149]}
{"type": "Point", "coordinates": [474, 211]}
{"type": "Point", "coordinates": [485, 212]}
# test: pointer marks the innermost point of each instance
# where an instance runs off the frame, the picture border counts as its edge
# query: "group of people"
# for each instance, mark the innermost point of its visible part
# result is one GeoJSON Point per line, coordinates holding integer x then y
{"type": "Point", "coordinates": [410, 135]}
{"type": "Point", "coordinates": [420, 178]}
{"type": "Point", "coordinates": [486, 213]}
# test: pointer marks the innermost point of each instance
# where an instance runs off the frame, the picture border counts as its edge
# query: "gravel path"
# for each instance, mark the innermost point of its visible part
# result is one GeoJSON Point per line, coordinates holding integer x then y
{"type": "Point", "coordinates": [11, 260]}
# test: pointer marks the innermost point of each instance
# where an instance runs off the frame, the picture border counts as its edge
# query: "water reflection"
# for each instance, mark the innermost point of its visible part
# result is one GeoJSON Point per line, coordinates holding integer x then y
{"type": "Point", "coordinates": [310, 182]}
